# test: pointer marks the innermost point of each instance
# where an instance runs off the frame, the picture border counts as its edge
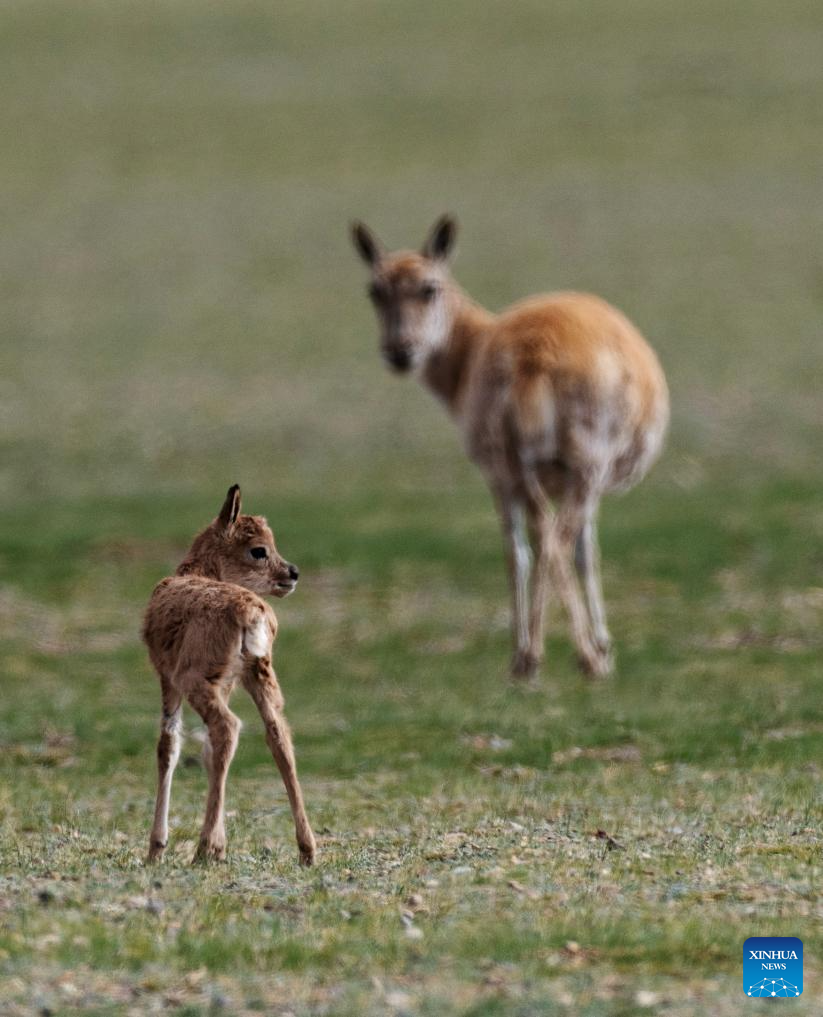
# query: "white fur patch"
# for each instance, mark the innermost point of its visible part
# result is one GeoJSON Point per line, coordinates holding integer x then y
{"type": "Point", "coordinates": [173, 723]}
{"type": "Point", "coordinates": [522, 568]}
{"type": "Point", "coordinates": [257, 639]}
{"type": "Point", "coordinates": [609, 369]}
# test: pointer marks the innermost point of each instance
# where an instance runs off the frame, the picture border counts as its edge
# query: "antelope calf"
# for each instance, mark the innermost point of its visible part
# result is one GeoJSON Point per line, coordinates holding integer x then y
{"type": "Point", "coordinates": [206, 627]}
{"type": "Point", "coordinates": [559, 399]}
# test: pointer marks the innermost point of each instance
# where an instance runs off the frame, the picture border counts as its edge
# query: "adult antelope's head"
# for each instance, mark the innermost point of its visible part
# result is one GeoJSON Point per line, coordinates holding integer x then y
{"type": "Point", "coordinates": [411, 292]}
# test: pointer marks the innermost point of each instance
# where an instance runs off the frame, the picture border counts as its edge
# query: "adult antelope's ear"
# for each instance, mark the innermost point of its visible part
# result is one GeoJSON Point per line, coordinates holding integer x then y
{"type": "Point", "coordinates": [366, 243]}
{"type": "Point", "coordinates": [231, 508]}
{"type": "Point", "coordinates": [440, 241]}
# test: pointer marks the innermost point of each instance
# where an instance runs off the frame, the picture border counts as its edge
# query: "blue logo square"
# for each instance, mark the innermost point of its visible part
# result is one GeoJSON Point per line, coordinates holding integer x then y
{"type": "Point", "coordinates": [773, 966]}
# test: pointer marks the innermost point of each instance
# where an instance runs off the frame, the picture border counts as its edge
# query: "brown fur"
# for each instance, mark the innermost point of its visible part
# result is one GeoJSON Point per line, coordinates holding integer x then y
{"type": "Point", "coordinates": [559, 399]}
{"type": "Point", "coordinates": [206, 627]}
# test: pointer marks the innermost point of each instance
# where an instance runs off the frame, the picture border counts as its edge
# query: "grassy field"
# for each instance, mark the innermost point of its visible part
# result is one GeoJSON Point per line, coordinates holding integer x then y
{"type": "Point", "coordinates": [181, 310]}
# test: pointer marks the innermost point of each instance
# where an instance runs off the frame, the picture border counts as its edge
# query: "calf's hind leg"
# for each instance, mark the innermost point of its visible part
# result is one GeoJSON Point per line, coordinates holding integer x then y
{"type": "Point", "coordinates": [223, 732]}
{"type": "Point", "coordinates": [261, 683]}
{"type": "Point", "coordinates": [168, 752]}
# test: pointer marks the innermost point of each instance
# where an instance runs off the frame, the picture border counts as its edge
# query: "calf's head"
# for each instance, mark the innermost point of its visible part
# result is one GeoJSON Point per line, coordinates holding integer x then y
{"type": "Point", "coordinates": [247, 552]}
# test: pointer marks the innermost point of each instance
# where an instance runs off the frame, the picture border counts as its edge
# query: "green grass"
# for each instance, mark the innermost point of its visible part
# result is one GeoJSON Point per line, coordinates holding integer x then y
{"type": "Point", "coordinates": [181, 310]}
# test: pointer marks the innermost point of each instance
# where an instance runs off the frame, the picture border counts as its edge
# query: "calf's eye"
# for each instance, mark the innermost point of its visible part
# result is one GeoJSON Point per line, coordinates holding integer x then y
{"type": "Point", "coordinates": [259, 552]}
{"type": "Point", "coordinates": [427, 292]}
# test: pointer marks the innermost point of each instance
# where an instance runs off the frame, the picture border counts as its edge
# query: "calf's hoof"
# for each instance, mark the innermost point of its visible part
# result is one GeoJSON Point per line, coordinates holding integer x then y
{"type": "Point", "coordinates": [210, 849]}
{"type": "Point", "coordinates": [156, 849]}
{"type": "Point", "coordinates": [308, 852]}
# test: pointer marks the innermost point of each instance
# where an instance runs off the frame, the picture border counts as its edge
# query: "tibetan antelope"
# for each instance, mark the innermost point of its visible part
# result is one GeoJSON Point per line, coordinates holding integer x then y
{"type": "Point", "coordinates": [559, 400]}
{"type": "Point", "coordinates": [206, 627]}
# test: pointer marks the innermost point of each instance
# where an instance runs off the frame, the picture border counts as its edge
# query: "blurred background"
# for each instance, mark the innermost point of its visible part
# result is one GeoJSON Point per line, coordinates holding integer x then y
{"type": "Point", "coordinates": [181, 309]}
{"type": "Point", "coordinates": [180, 304]}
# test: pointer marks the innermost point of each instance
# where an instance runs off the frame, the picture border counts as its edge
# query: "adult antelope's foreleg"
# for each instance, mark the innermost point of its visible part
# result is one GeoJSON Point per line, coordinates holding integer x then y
{"type": "Point", "coordinates": [223, 732]}
{"type": "Point", "coordinates": [518, 561]}
{"type": "Point", "coordinates": [541, 518]}
{"type": "Point", "coordinates": [261, 683]}
{"type": "Point", "coordinates": [168, 752]}
{"type": "Point", "coordinates": [587, 561]}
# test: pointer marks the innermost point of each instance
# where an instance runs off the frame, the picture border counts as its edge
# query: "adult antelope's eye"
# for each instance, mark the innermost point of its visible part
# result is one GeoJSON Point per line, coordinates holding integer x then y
{"type": "Point", "coordinates": [427, 292]}
{"type": "Point", "coordinates": [259, 552]}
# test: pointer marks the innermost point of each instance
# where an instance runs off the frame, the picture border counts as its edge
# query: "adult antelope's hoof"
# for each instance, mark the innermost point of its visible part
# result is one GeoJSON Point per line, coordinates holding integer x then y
{"type": "Point", "coordinates": [524, 666]}
{"type": "Point", "coordinates": [597, 664]}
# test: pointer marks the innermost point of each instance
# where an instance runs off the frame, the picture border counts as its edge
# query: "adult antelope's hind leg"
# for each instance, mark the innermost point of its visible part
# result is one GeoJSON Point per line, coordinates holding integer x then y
{"type": "Point", "coordinates": [261, 683]}
{"type": "Point", "coordinates": [223, 732]}
{"type": "Point", "coordinates": [587, 561]}
{"type": "Point", "coordinates": [168, 752]}
{"type": "Point", "coordinates": [568, 525]}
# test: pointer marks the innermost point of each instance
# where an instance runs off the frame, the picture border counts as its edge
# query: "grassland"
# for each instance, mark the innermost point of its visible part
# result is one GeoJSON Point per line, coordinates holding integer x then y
{"type": "Point", "coordinates": [181, 311]}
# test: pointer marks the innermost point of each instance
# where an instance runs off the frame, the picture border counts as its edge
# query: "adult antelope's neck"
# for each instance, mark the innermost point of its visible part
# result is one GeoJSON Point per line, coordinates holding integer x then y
{"type": "Point", "coordinates": [447, 369]}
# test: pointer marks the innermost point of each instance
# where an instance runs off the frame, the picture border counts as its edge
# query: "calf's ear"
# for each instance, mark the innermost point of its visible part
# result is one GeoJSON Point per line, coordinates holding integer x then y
{"type": "Point", "coordinates": [231, 508]}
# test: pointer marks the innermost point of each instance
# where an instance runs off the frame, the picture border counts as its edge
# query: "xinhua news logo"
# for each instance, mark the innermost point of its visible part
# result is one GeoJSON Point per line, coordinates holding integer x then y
{"type": "Point", "coordinates": [773, 966]}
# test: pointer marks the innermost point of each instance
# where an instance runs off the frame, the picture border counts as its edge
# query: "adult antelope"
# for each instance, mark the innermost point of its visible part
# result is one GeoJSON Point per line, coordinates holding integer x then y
{"type": "Point", "coordinates": [559, 398]}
